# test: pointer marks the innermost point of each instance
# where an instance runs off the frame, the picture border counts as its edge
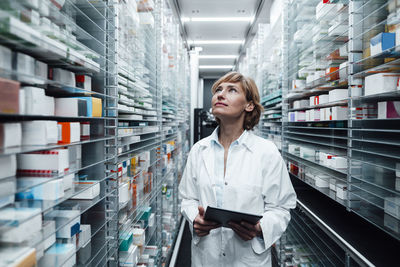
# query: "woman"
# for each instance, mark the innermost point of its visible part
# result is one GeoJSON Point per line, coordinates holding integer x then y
{"type": "Point", "coordinates": [236, 170]}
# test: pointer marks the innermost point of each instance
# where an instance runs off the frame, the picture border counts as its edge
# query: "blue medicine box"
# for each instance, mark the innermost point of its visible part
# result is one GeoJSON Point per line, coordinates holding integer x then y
{"type": "Point", "coordinates": [382, 42]}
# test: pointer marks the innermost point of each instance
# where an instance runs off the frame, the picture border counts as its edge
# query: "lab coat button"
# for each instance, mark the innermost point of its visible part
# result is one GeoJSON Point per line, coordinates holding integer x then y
{"type": "Point", "coordinates": [223, 254]}
{"type": "Point", "coordinates": [226, 183]}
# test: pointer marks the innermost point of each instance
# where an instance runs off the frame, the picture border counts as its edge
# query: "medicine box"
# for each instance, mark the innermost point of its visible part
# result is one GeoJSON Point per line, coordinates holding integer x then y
{"type": "Point", "coordinates": [18, 222]}
{"type": "Point", "coordinates": [84, 82]}
{"type": "Point", "coordinates": [56, 160]}
{"type": "Point", "coordinates": [36, 102]}
{"type": "Point", "coordinates": [307, 153]}
{"type": "Point", "coordinates": [41, 69]}
{"type": "Point", "coordinates": [398, 169]}
{"type": "Point", "coordinates": [392, 206]}
{"type": "Point", "coordinates": [5, 58]}
{"type": "Point", "coordinates": [59, 255]}
{"type": "Point", "coordinates": [341, 191]}
{"type": "Point", "coordinates": [123, 192]}
{"type": "Point", "coordinates": [382, 42]}
{"type": "Point", "coordinates": [10, 135]}
{"type": "Point", "coordinates": [125, 240]}
{"type": "Point", "coordinates": [68, 181]}
{"type": "Point", "coordinates": [47, 190]}
{"type": "Point", "coordinates": [39, 132]}
{"type": "Point", "coordinates": [84, 253]}
{"type": "Point", "coordinates": [388, 109]}
{"type": "Point", "coordinates": [25, 64]}
{"type": "Point", "coordinates": [380, 83]}
{"type": "Point", "coordinates": [9, 96]}
{"type": "Point", "coordinates": [339, 113]}
{"type": "Point", "coordinates": [67, 222]}
{"type": "Point", "coordinates": [7, 191]}
{"type": "Point", "coordinates": [322, 181]}
{"type": "Point", "coordinates": [338, 162]}
{"type": "Point", "coordinates": [18, 256]}
{"type": "Point", "coordinates": [8, 165]}
{"type": "Point", "coordinates": [138, 237]}
{"type": "Point", "coordinates": [338, 95]}
{"type": "Point", "coordinates": [49, 233]}
{"type": "Point", "coordinates": [62, 76]}
{"type": "Point", "coordinates": [91, 189]}
{"type": "Point", "coordinates": [71, 107]}
{"type": "Point", "coordinates": [130, 257]}
{"type": "Point", "coordinates": [70, 132]}
{"type": "Point", "coordinates": [94, 106]}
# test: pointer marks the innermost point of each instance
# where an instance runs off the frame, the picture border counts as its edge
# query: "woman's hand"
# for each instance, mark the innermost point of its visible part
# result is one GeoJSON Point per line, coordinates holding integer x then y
{"type": "Point", "coordinates": [201, 226]}
{"type": "Point", "coordinates": [246, 231]}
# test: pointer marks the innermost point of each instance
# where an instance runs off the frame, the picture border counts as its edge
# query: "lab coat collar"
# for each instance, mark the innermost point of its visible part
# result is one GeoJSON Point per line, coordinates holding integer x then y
{"type": "Point", "coordinates": [245, 139]}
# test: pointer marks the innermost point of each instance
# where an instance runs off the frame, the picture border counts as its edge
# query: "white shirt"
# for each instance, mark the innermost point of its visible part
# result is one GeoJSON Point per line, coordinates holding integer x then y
{"type": "Point", "coordinates": [256, 181]}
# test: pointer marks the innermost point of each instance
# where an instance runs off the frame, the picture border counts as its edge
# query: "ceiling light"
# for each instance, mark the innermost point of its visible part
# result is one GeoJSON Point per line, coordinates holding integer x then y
{"type": "Point", "coordinates": [217, 56]}
{"type": "Point", "coordinates": [217, 19]}
{"type": "Point", "coordinates": [217, 42]}
{"type": "Point", "coordinates": [215, 66]}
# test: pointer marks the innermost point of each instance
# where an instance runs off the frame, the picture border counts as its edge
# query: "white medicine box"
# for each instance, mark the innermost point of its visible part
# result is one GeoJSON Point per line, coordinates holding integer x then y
{"type": "Point", "coordinates": [341, 191]}
{"type": "Point", "coordinates": [381, 83]}
{"type": "Point", "coordinates": [392, 206]}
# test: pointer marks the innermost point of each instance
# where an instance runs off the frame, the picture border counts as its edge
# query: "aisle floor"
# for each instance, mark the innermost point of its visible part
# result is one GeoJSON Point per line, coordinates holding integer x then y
{"type": "Point", "coordinates": [185, 250]}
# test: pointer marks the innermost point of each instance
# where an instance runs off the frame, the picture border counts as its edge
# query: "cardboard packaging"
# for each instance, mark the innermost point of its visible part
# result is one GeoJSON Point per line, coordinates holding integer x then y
{"type": "Point", "coordinates": [48, 190]}
{"type": "Point", "coordinates": [300, 116]}
{"type": "Point", "coordinates": [9, 96]}
{"type": "Point", "coordinates": [8, 166]}
{"type": "Point", "coordinates": [322, 181]}
{"type": "Point", "coordinates": [37, 103]}
{"type": "Point", "coordinates": [338, 95]}
{"type": "Point", "coordinates": [19, 221]}
{"type": "Point", "coordinates": [130, 257]}
{"type": "Point", "coordinates": [68, 181]}
{"type": "Point", "coordinates": [341, 191]}
{"type": "Point", "coordinates": [44, 162]}
{"type": "Point", "coordinates": [388, 109]}
{"type": "Point", "coordinates": [85, 130]}
{"type": "Point", "coordinates": [94, 106]}
{"type": "Point", "coordinates": [59, 255]}
{"type": "Point", "coordinates": [343, 71]}
{"type": "Point", "coordinates": [8, 187]}
{"type": "Point", "coordinates": [25, 64]}
{"type": "Point", "coordinates": [70, 132]}
{"type": "Point", "coordinates": [39, 132]}
{"type": "Point", "coordinates": [338, 162]}
{"type": "Point", "coordinates": [298, 84]}
{"type": "Point", "coordinates": [84, 82]}
{"type": "Point", "coordinates": [392, 206]}
{"type": "Point", "coordinates": [138, 237]}
{"type": "Point", "coordinates": [381, 83]}
{"type": "Point", "coordinates": [123, 193]}
{"type": "Point", "coordinates": [62, 76]}
{"type": "Point", "coordinates": [332, 184]}
{"type": "Point", "coordinates": [41, 69]}
{"type": "Point", "coordinates": [18, 256]}
{"type": "Point", "coordinates": [10, 135]}
{"type": "Point", "coordinates": [71, 107]}
{"type": "Point", "coordinates": [5, 58]}
{"type": "Point", "coordinates": [338, 113]}
{"type": "Point", "coordinates": [91, 189]}
{"type": "Point", "coordinates": [68, 220]}
{"type": "Point", "coordinates": [382, 42]}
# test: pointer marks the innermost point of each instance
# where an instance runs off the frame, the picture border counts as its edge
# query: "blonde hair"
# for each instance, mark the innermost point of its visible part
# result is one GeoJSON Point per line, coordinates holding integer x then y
{"type": "Point", "coordinates": [250, 89]}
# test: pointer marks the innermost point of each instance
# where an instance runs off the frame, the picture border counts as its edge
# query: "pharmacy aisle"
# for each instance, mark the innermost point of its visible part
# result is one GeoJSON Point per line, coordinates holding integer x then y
{"type": "Point", "coordinates": [93, 137]}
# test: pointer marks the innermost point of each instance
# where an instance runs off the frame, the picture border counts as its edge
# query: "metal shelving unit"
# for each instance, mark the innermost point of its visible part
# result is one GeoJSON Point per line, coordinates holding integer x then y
{"type": "Point", "coordinates": [337, 55]}
{"type": "Point", "coordinates": [121, 51]}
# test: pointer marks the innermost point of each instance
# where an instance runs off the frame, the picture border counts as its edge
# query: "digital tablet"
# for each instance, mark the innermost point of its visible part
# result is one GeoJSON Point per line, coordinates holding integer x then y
{"type": "Point", "coordinates": [224, 216]}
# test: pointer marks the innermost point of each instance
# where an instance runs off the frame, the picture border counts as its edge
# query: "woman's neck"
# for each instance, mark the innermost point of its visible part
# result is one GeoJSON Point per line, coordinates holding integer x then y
{"type": "Point", "coordinates": [229, 133]}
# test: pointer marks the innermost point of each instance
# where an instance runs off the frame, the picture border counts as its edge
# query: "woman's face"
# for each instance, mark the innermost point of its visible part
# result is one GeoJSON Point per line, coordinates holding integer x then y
{"type": "Point", "coordinates": [229, 101]}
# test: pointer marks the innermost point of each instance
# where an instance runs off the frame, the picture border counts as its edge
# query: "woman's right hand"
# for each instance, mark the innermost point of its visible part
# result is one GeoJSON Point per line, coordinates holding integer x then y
{"type": "Point", "coordinates": [201, 226]}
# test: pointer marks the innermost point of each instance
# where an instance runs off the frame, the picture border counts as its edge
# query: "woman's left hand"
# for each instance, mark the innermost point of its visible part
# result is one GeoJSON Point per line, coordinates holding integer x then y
{"type": "Point", "coordinates": [246, 231]}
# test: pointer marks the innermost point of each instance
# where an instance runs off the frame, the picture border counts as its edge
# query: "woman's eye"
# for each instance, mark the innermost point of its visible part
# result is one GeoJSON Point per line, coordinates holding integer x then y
{"type": "Point", "coordinates": [233, 90]}
{"type": "Point", "coordinates": [218, 90]}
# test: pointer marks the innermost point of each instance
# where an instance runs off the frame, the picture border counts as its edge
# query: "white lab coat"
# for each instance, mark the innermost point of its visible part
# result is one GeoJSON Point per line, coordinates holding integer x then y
{"type": "Point", "coordinates": [256, 181]}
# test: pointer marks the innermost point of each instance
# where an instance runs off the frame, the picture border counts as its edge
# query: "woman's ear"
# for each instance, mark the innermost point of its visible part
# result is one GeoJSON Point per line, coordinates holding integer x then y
{"type": "Point", "coordinates": [249, 107]}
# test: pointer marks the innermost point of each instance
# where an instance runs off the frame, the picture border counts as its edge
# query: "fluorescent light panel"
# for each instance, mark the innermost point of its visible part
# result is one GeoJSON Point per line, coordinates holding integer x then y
{"type": "Point", "coordinates": [218, 19]}
{"type": "Point", "coordinates": [218, 56]}
{"type": "Point", "coordinates": [199, 42]}
{"type": "Point", "coordinates": [215, 66]}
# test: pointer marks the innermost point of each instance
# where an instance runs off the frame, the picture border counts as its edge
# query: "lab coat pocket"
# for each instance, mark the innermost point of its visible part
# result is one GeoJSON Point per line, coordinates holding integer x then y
{"type": "Point", "coordinates": [244, 197]}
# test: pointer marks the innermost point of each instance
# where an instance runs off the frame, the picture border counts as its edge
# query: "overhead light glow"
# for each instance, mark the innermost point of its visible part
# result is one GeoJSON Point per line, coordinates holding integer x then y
{"type": "Point", "coordinates": [217, 56]}
{"type": "Point", "coordinates": [203, 42]}
{"type": "Point", "coordinates": [218, 19]}
{"type": "Point", "coordinates": [215, 66]}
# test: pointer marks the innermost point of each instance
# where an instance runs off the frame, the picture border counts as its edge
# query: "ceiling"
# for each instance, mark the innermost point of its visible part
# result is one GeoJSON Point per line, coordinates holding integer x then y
{"type": "Point", "coordinates": [219, 22]}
